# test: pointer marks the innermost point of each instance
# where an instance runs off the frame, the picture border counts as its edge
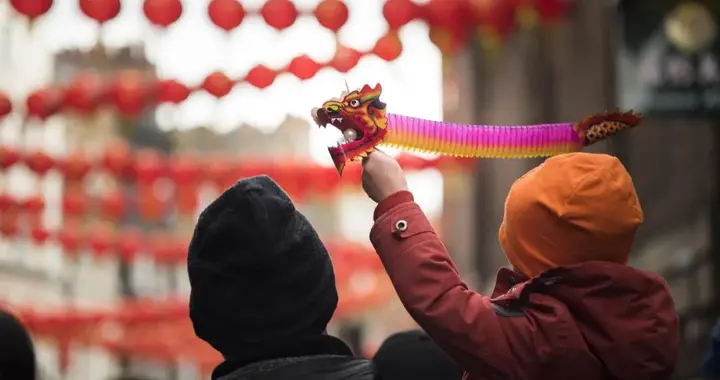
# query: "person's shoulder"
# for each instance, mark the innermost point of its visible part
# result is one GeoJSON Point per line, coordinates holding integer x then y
{"type": "Point", "coordinates": [326, 367]}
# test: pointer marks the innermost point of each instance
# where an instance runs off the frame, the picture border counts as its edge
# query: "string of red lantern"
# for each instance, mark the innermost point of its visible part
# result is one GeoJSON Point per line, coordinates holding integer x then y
{"type": "Point", "coordinates": [103, 241]}
{"type": "Point", "coordinates": [130, 93]}
{"type": "Point", "coordinates": [299, 178]}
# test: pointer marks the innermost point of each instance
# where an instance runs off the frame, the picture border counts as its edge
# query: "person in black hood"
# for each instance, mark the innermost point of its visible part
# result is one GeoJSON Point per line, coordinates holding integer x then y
{"type": "Point", "coordinates": [263, 289]}
{"type": "Point", "coordinates": [17, 353]}
{"type": "Point", "coordinates": [413, 355]}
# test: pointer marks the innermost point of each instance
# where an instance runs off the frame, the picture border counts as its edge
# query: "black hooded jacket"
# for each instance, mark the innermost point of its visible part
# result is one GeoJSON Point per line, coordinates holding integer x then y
{"type": "Point", "coordinates": [319, 367]}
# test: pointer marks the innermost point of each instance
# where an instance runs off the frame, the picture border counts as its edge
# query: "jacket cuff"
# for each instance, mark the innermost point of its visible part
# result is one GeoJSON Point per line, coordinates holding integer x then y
{"type": "Point", "coordinates": [395, 199]}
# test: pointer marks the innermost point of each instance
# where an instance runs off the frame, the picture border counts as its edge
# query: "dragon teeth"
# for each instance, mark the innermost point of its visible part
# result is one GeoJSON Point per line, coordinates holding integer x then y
{"type": "Point", "coordinates": [336, 119]}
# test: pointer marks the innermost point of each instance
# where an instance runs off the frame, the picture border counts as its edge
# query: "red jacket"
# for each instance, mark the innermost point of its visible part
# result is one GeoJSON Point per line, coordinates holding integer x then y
{"type": "Point", "coordinates": [593, 321]}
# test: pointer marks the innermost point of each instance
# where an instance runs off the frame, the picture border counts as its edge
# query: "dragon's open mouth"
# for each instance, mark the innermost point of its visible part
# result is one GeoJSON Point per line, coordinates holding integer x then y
{"type": "Point", "coordinates": [360, 117]}
{"type": "Point", "coordinates": [350, 131]}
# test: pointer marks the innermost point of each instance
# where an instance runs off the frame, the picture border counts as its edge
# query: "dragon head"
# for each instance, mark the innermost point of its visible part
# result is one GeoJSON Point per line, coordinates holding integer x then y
{"type": "Point", "coordinates": [360, 116]}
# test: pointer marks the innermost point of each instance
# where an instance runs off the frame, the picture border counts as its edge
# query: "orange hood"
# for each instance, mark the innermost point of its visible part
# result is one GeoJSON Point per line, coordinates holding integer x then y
{"type": "Point", "coordinates": [571, 209]}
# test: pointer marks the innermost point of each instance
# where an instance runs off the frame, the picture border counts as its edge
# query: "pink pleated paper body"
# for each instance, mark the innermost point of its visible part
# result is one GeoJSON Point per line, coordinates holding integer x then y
{"type": "Point", "coordinates": [478, 141]}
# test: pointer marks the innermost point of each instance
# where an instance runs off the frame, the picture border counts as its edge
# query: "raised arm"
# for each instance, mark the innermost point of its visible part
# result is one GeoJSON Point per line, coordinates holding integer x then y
{"type": "Point", "coordinates": [461, 321]}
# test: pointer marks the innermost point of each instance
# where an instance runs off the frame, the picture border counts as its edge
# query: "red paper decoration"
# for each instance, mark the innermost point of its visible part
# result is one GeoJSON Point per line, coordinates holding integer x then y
{"type": "Point", "coordinates": [260, 76]}
{"type": "Point", "coordinates": [444, 14]}
{"type": "Point", "coordinates": [303, 67]}
{"type": "Point", "coordinates": [399, 13]}
{"type": "Point", "coordinates": [34, 205]}
{"type": "Point", "coordinates": [8, 157]}
{"type": "Point", "coordinates": [117, 159]}
{"type": "Point", "coordinates": [388, 47]}
{"type": "Point", "coordinates": [162, 12]}
{"type": "Point", "coordinates": [332, 14]}
{"type": "Point", "coordinates": [113, 205]}
{"type": "Point", "coordinates": [102, 239]}
{"type": "Point", "coordinates": [85, 93]}
{"type": "Point", "coordinates": [130, 93]}
{"type": "Point", "coordinates": [74, 203]}
{"type": "Point", "coordinates": [9, 224]}
{"type": "Point", "coordinates": [172, 91]}
{"type": "Point", "coordinates": [226, 14]}
{"type": "Point", "coordinates": [280, 14]}
{"type": "Point", "coordinates": [71, 237]}
{"type": "Point", "coordinates": [5, 105]}
{"type": "Point", "coordinates": [39, 162]}
{"type": "Point", "coordinates": [75, 166]}
{"type": "Point", "coordinates": [39, 234]}
{"type": "Point", "coordinates": [493, 16]}
{"type": "Point", "coordinates": [6, 202]}
{"type": "Point", "coordinates": [44, 103]}
{"type": "Point", "coordinates": [129, 244]}
{"type": "Point", "coordinates": [345, 59]}
{"type": "Point", "coordinates": [32, 9]}
{"type": "Point", "coordinates": [101, 11]}
{"type": "Point", "coordinates": [218, 84]}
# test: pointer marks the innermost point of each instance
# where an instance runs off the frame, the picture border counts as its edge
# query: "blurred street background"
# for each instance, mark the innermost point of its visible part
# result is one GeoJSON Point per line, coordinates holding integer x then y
{"type": "Point", "coordinates": [121, 119]}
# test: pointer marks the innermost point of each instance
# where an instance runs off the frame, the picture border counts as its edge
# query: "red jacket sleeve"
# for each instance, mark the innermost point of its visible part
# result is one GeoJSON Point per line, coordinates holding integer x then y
{"type": "Point", "coordinates": [461, 321]}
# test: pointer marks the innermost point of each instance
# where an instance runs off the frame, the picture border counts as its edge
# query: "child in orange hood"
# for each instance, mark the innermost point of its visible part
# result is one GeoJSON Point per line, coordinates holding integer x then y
{"type": "Point", "coordinates": [570, 309]}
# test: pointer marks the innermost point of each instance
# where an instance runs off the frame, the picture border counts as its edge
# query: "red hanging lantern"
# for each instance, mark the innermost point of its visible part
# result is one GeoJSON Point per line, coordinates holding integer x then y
{"type": "Point", "coordinates": [444, 14]}
{"type": "Point", "coordinates": [130, 93]}
{"type": "Point", "coordinates": [70, 237]}
{"type": "Point", "coordinates": [34, 205]}
{"type": "Point", "coordinates": [184, 170]}
{"type": "Point", "coordinates": [31, 9]}
{"type": "Point", "coordinates": [553, 11]}
{"type": "Point", "coordinates": [345, 59]}
{"type": "Point", "coordinates": [226, 14]}
{"type": "Point", "coordinates": [39, 234]}
{"type": "Point", "coordinates": [220, 171]}
{"type": "Point", "coordinates": [5, 105]}
{"type": "Point", "coordinates": [85, 93]}
{"type": "Point", "coordinates": [303, 67]}
{"type": "Point", "coordinates": [101, 240]}
{"type": "Point", "coordinates": [39, 162]}
{"type": "Point", "coordinates": [8, 157]}
{"type": "Point", "coordinates": [44, 103]}
{"type": "Point", "coordinates": [10, 224]}
{"type": "Point", "coordinates": [399, 13]}
{"type": "Point", "coordinates": [117, 159]}
{"type": "Point", "coordinates": [389, 47]}
{"type": "Point", "coordinates": [218, 84]}
{"type": "Point", "coordinates": [261, 76]}
{"type": "Point", "coordinates": [101, 11]}
{"type": "Point", "coordinates": [280, 14]}
{"type": "Point", "coordinates": [495, 17]}
{"type": "Point", "coordinates": [185, 173]}
{"type": "Point", "coordinates": [162, 13]}
{"type": "Point", "coordinates": [148, 166]}
{"type": "Point", "coordinates": [74, 203]}
{"type": "Point", "coordinates": [113, 205]}
{"type": "Point", "coordinates": [7, 203]}
{"type": "Point", "coordinates": [75, 166]}
{"type": "Point", "coordinates": [151, 208]}
{"type": "Point", "coordinates": [170, 91]}
{"type": "Point", "coordinates": [332, 14]}
{"type": "Point", "coordinates": [129, 244]}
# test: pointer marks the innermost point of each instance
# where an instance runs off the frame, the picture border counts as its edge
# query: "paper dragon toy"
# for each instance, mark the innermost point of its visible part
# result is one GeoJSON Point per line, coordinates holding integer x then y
{"type": "Point", "coordinates": [364, 122]}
